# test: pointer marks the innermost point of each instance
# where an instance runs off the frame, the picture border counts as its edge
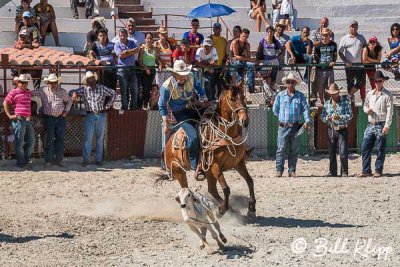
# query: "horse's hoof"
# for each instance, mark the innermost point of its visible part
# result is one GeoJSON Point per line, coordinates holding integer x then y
{"type": "Point", "coordinates": [223, 239]}
{"type": "Point", "coordinates": [251, 214]}
{"type": "Point", "coordinates": [221, 212]}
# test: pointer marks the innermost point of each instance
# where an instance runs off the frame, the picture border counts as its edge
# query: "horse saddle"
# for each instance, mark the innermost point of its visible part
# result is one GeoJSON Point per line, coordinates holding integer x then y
{"type": "Point", "coordinates": [179, 139]}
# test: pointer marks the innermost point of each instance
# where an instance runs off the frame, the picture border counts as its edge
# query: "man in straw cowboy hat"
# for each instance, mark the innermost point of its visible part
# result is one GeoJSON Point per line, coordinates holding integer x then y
{"type": "Point", "coordinates": [289, 105]}
{"type": "Point", "coordinates": [378, 106]}
{"type": "Point", "coordinates": [98, 98]}
{"type": "Point", "coordinates": [177, 91]}
{"type": "Point", "coordinates": [56, 105]}
{"type": "Point", "coordinates": [337, 114]}
{"type": "Point", "coordinates": [17, 106]}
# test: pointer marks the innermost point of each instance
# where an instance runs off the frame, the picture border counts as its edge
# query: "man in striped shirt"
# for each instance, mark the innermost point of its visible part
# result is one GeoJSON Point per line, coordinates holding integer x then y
{"type": "Point", "coordinates": [17, 106]}
{"type": "Point", "coordinates": [56, 104]}
{"type": "Point", "coordinates": [289, 106]}
{"type": "Point", "coordinates": [94, 96]}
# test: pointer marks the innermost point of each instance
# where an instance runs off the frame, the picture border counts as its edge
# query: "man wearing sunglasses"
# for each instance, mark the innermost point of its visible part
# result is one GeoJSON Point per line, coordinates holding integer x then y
{"type": "Point", "coordinates": [378, 106]}
{"type": "Point", "coordinates": [289, 106]}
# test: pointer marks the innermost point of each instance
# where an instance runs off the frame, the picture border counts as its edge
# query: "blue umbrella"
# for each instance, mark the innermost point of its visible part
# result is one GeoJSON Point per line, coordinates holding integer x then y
{"type": "Point", "coordinates": [210, 11]}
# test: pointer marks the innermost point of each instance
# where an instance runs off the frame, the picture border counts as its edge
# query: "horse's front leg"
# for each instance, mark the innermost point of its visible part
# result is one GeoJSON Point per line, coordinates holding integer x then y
{"type": "Point", "coordinates": [212, 175]}
{"type": "Point", "coordinates": [224, 206]}
{"type": "Point", "coordinates": [242, 169]}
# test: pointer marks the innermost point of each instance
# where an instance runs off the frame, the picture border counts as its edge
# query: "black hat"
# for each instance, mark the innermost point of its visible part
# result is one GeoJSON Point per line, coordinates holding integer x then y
{"type": "Point", "coordinates": [379, 75]}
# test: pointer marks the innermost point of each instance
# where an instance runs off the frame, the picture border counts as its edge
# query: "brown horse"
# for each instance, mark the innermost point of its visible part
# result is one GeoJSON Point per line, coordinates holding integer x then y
{"type": "Point", "coordinates": [223, 148]}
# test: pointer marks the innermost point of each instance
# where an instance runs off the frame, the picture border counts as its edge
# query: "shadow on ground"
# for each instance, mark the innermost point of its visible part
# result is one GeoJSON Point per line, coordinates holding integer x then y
{"type": "Point", "coordinates": [294, 223]}
{"type": "Point", "coordinates": [24, 239]}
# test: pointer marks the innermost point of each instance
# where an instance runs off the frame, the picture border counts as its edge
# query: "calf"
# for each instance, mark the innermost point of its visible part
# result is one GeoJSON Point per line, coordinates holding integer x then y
{"type": "Point", "coordinates": [198, 212]}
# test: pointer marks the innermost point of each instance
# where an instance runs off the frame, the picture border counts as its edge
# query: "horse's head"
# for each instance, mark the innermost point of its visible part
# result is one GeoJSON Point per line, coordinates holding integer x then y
{"type": "Point", "coordinates": [233, 103]}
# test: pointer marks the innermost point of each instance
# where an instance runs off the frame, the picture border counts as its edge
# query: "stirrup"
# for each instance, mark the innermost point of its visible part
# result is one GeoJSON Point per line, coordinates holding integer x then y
{"type": "Point", "coordinates": [199, 175]}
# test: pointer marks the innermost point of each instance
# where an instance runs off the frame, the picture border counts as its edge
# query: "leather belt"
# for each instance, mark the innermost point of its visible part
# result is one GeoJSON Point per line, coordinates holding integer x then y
{"type": "Point", "coordinates": [377, 123]}
{"type": "Point", "coordinates": [338, 128]}
{"type": "Point", "coordinates": [95, 113]}
{"type": "Point", "coordinates": [289, 125]}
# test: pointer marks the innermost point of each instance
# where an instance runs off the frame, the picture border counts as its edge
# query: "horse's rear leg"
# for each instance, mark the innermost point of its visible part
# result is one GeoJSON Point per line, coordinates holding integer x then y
{"type": "Point", "coordinates": [242, 169]}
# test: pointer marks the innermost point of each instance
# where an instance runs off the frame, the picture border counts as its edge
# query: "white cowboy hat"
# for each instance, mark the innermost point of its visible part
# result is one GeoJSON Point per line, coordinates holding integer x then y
{"type": "Point", "coordinates": [88, 75]}
{"type": "Point", "coordinates": [52, 78]}
{"type": "Point", "coordinates": [291, 77]}
{"type": "Point", "coordinates": [22, 78]}
{"type": "Point", "coordinates": [181, 68]}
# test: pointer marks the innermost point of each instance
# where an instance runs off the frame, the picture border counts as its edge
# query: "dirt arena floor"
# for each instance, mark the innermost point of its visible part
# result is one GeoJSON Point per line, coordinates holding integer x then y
{"type": "Point", "coordinates": [113, 216]}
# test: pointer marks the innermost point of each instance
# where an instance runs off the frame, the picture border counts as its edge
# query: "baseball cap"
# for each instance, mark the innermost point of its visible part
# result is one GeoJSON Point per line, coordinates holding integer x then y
{"type": "Point", "coordinates": [26, 14]}
{"type": "Point", "coordinates": [207, 42]}
{"type": "Point", "coordinates": [217, 25]}
{"type": "Point", "coordinates": [354, 22]}
{"type": "Point", "coordinates": [373, 39]}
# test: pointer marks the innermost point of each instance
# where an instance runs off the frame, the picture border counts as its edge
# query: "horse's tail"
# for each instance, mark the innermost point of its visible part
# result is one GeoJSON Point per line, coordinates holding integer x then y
{"type": "Point", "coordinates": [248, 151]}
{"type": "Point", "coordinates": [162, 176]}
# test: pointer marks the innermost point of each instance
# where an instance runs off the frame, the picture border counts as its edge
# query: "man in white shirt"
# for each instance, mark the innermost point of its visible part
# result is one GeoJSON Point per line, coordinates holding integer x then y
{"type": "Point", "coordinates": [378, 106]}
{"type": "Point", "coordinates": [206, 58]}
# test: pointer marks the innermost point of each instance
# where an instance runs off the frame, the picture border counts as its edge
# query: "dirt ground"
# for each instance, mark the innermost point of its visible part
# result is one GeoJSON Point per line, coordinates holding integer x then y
{"type": "Point", "coordinates": [113, 216]}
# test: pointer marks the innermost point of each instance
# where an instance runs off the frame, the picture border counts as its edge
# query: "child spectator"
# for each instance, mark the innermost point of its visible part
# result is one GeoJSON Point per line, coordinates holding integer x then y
{"type": "Point", "coordinates": [182, 52]}
{"type": "Point", "coordinates": [25, 6]}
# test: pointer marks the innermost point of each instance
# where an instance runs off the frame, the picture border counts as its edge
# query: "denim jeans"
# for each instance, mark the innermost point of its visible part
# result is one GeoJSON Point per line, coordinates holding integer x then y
{"type": "Point", "coordinates": [373, 133]}
{"type": "Point", "coordinates": [129, 88]}
{"type": "Point", "coordinates": [335, 139]}
{"type": "Point", "coordinates": [287, 138]}
{"type": "Point", "coordinates": [94, 124]}
{"type": "Point", "coordinates": [304, 59]}
{"type": "Point", "coordinates": [55, 130]}
{"type": "Point", "coordinates": [193, 142]}
{"type": "Point", "coordinates": [24, 140]}
{"type": "Point", "coordinates": [240, 68]}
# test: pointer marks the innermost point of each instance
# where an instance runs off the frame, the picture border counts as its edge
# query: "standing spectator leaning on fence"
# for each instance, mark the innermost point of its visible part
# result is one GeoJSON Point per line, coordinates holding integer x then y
{"type": "Point", "coordinates": [183, 52]}
{"type": "Point", "coordinates": [337, 114]}
{"type": "Point", "coordinates": [257, 12]}
{"type": "Point", "coordinates": [221, 45]}
{"type": "Point", "coordinates": [149, 60]}
{"type": "Point", "coordinates": [165, 53]}
{"type": "Point", "coordinates": [269, 50]}
{"type": "Point", "coordinates": [95, 97]}
{"type": "Point", "coordinates": [125, 50]}
{"type": "Point", "coordinates": [289, 106]}
{"type": "Point", "coordinates": [350, 51]}
{"type": "Point", "coordinates": [372, 54]}
{"type": "Point", "coordinates": [325, 53]}
{"type": "Point", "coordinates": [195, 38]}
{"type": "Point", "coordinates": [242, 62]}
{"type": "Point", "coordinates": [379, 108]}
{"type": "Point", "coordinates": [56, 104]}
{"type": "Point", "coordinates": [206, 58]}
{"type": "Point", "coordinates": [20, 10]}
{"type": "Point", "coordinates": [17, 106]}
{"type": "Point", "coordinates": [103, 50]}
{"type": "Point", "coordinates": [47, 21]}
{"type": "Point", "coordinates": [299, 48]}
{"type": "Point", "coordinates": [393, 55]}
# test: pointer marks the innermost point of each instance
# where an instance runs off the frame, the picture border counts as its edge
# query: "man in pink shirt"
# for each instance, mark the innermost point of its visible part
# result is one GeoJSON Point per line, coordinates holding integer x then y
{"type": "Point", "coordinates": [17, 106]}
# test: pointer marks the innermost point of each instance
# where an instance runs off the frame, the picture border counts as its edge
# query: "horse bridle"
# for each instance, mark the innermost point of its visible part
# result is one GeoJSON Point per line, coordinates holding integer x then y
{"type": "Point", "coordinates": [235, 111]}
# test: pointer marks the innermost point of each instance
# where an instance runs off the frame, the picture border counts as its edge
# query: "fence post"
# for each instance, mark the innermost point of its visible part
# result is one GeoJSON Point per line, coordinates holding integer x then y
{"type": "Point", "coordinates": [5, 63]}
{"type": "Point", "coordinates": [166, 21]}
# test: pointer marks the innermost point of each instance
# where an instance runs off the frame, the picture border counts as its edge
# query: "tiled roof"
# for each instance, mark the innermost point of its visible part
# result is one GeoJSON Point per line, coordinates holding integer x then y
{"type": "Point", "coordinates": [45, 56]}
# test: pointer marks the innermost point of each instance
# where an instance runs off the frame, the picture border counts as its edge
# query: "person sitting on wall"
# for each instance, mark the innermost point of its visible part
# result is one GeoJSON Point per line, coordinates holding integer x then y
{"type": "Point", "coordinates": [47, 20]}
